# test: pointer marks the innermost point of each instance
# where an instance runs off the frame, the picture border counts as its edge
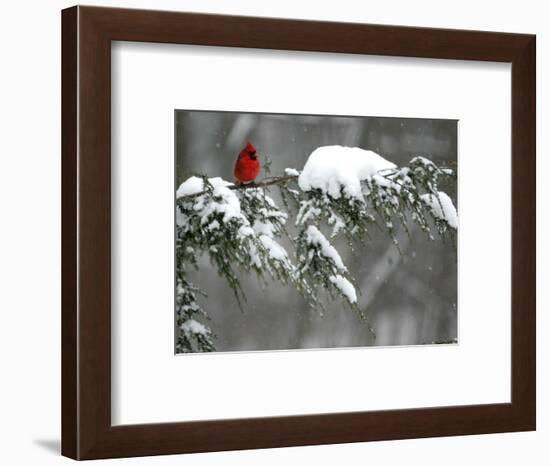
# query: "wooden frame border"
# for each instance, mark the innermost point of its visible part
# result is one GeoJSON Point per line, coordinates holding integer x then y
{"type": "Point", "coordinates": [87, 33]}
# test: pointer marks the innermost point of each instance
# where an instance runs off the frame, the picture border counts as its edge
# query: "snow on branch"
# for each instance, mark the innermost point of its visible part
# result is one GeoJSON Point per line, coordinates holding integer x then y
{"type": "Point", "coordinates": [338, 171]}
{"type": "Point", "coordinates": [341, 190]}
{"type": "Point", "coordinates": [191, 192]}
{"type": "Point", "coordinates": [442, 208]}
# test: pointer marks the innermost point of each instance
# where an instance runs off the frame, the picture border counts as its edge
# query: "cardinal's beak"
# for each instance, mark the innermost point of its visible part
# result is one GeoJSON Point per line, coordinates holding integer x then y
{"type": "Point", "coordinates": [253, 156]}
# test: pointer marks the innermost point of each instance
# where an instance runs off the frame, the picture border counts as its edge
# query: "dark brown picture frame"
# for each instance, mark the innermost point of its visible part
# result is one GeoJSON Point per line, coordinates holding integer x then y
{"type": "Point", "coordinates": [87, 33]}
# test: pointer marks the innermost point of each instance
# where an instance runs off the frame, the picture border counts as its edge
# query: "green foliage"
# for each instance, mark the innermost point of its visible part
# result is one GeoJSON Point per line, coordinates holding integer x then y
{"type": "Point", "coordinates": [239, 228]}
{"type": "Point", "coordinates": [192, 336]}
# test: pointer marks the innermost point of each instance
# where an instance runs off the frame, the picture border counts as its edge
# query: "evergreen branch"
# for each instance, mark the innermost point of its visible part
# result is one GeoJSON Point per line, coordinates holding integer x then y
{"type": "Point", "coordinates": [265, 182]}
{"type": "Point", "coordinates": [239, 228]}
{"type": "Point", "coordinates": [274, 180]}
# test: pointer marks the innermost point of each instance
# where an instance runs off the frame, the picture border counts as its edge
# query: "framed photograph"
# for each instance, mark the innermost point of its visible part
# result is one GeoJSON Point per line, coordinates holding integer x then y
{"type": "Point", "coordinates": [281, 232]}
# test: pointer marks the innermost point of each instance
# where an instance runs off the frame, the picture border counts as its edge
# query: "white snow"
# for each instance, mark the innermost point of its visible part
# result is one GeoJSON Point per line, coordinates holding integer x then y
{"type": "Point", "coordinates": [422, 160]}
{"type": "Point", "coordinates": [254, 257]}
{"type": "Point", "coordinates": [314, 236]}
{"type": "Point", "coordinates": [263, 228]}
{"type": "Point", "coordinates": [384, 182]}
{"type": "Point", "coordinates": [245, 231]}
{"type": "Point", "coordinates": [332, 168]}
{"type": "Point", "coordinates": [291, 172]}
{"type": "Point", "coordinates": [192, 185]}
{"type": "Point", "coordinates": [192, 326]}
{"type": "Point", "coordinates": [228, 203]}
{"type": "Point", "coordinates": [306, 212]}
{"type": "Point", "coordinates": [337, 224]}
{"type": "Point", "coordinates": [345, 286]}
{"type": "Point", "coordinates": [214, 225]}
{"type": "Point", "coordinates": [276, 251]}
{"type": "Point", "coordinates": [442, 207]}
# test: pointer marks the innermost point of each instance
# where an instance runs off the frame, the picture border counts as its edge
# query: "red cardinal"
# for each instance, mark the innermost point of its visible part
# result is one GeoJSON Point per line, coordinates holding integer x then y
{"type": "Point", "coordinates": [247, 166]}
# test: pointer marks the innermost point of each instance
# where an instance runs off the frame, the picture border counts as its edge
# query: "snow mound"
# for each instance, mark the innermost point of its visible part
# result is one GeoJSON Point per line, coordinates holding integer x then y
{"type": "Point", "coordinates": [442, 207]}
{"type": "Point", "coordinates": [190, 186]}
{"type": "Point", "coordinates": [335, 168]}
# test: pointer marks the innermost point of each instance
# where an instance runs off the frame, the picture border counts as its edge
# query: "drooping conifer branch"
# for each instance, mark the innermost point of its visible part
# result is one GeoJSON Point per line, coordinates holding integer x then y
{"type": "Point", "coordinates": [260, 184]}
{"type": "Point", "coordinates": [241, 229]}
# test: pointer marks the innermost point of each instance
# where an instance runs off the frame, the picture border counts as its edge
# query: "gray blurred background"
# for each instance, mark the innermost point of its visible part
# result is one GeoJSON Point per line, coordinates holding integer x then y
{"type": "Point", "coordinates": [410, 298]}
